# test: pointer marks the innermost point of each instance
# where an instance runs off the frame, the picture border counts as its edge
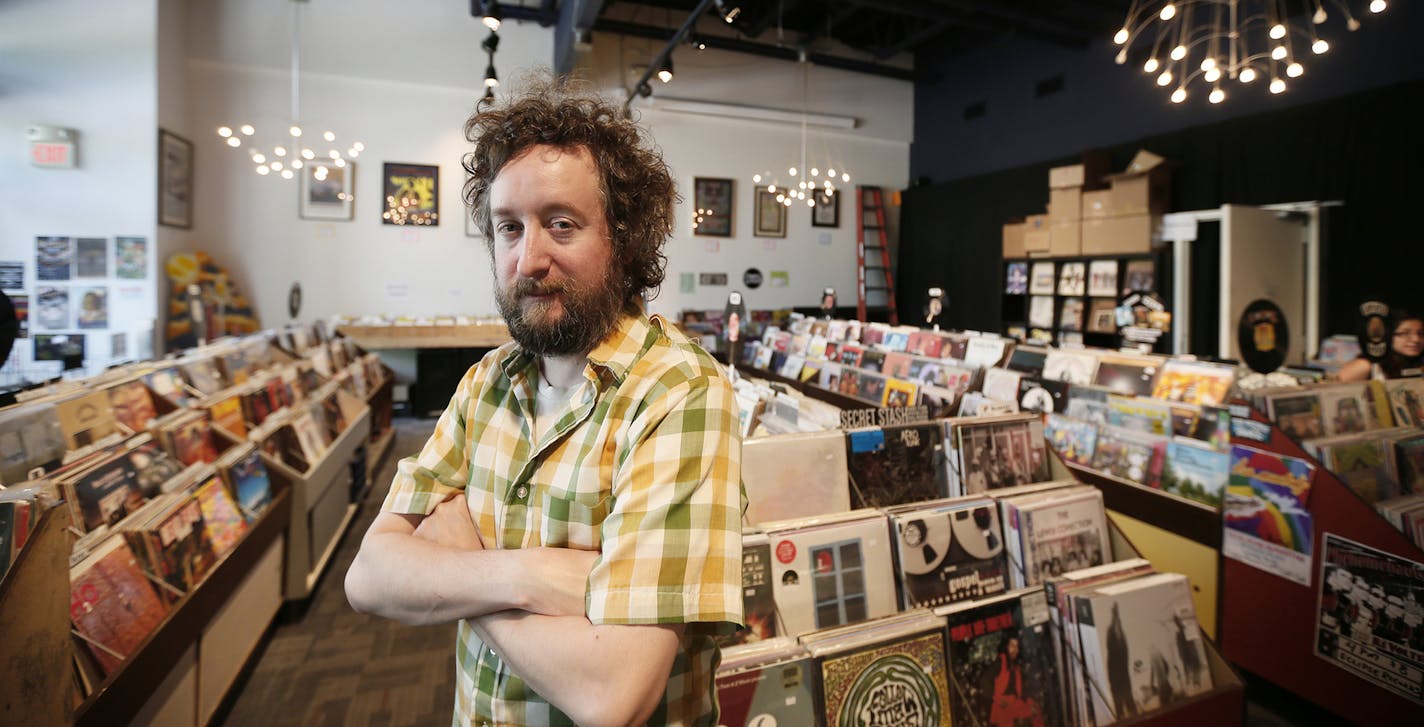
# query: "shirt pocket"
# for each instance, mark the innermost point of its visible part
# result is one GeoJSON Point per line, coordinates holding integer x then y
{"type": "Point", "coordinates": [574, 522]}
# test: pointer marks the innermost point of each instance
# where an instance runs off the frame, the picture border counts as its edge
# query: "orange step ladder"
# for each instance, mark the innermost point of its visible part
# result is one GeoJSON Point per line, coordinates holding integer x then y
{"type": "Point", "coordinates": [870, 216]}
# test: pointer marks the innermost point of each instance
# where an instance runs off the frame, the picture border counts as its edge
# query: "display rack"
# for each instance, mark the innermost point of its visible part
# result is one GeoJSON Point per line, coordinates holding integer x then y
{"type": "Point", "coordinates": [474, 335]}
{"type": "Point", "coordinates": [380, 399]}
{"type": "Point", "coordinates": [183, 669]}
{"type": "Point", "coordinates": [1269, 622]}
{"type": "Point", "coordinates": [36, 651]}
{"type": "Point", "coordinates": [321, 507]}
{"type": "Point", "coordinates": [1014, 307]}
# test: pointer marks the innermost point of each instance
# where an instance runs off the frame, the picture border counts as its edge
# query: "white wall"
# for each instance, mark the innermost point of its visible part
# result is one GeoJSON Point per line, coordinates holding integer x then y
{"type": "Point", "coordinates": [403, 83]}
{"type": "Point", "coordinates": [86, 65]}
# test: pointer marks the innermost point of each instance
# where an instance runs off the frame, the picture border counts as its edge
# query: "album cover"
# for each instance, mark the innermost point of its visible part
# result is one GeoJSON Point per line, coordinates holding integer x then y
{"type": "Point", "coordinates": [133, 405]}
{"type": "Point", "coordinates": [151, 465]}
{"type": "Point", "coordinates": [900, 393]}
{"type": "Point", "coordinates": [105, 494]}
{"type": "Point", "coordinates": [1027, 359]}
{"type": "Point", "coordinates": [891, 674]}
{"type": "Point", "coordinates": [112, 603]}
{"type": "Point", "coordinates": [762, 687]}
{"type": "Point", "coordinates": [1130, 454]}
{"type": "Point", "coordinates": [1074, 367]}
{"type": "Point", "coordinates": [1266, 496]}
{"type": "Point", "coordinates": [1040, 311]}
{"type": "Point", "coordinates": [51, 308]}
{"type": "Point", "coordinates": [1000, 452]}
{"type": "Point", "coordinates": [948, 551]}
{"type": "Point", "coordinates": [224, 523]}
{"type": "Point", "coordinates": [167, 384]}
{"type": "Point", "coordinates": [1141, 415]}
{"type": "Point", "coordinates": [872, 360]}
{"type": "Point", "coordinates": [1194, 382]}
{"type": "Point", "coordinates": [54, 257]}
{"type": "Point", "coordinates": [1102, 278]}
{"type": "Point", "coordinates": [1089, 403]}
{"type": "Point", "coordinates": [870, 388]}
{"type": "Point", "coordinates": [1041, 279]}
{"type": "Point", "coordinates": [202, 373]}
{"type": "Point", "coordinates": [1042, 395]}
{"type": "Point", "coordinates": [247, 476]}
{"type": "Point", "coordinates": [1052, 533]}
{"type": "Point", "coordinates": [1075, 440]}
{"type": "Point", "coordinates": [1002, 669]}
{"type": "Point", "coordinates": [1127, 375]}
{"type": "Point", "coordinates": [1369, 615]}
{"type": "Point", "coordinates": [1345, 409]}
{"type": "Point", "coordinates": [832, 570]}
{"type": "Point", "coordinates": [1297, 413]}
{"type": "Point", "coordinates": [1406, 401]}
{"type": "Point", "coordinates": [850, 354]}
{"type": "Point", "coordinates": [1142, 646]}
{"type": "Point", "coordinates": [896, 465]}
{"type": "Point", "coordinates": [1017, 280]}
{"type": "Point", "coordinates": [1001, 384]}
{"type": "Point", "coordinates": [795, 475]}
{"type": "Point", "coordinates": [976, 404]}
{"type": "Point", "coordinates": [1102, 317]}
{"type": "Point", "coordinates": [1363, 463]}
{"type": "Point", "coordinates": [1072, 278]}
{"type": "Point", "coordinates": [897, 364]}
{"type": "Point", "coordinates": [985, 351]}
{"type": "Point", "coordinates": [758, 604]}
{"type": "Point", "coordinates": [1196, 471]}
{"type": "Point", "coordinates": [1141, 276]}
{"type": "Point", "coordinates": [956, 346]}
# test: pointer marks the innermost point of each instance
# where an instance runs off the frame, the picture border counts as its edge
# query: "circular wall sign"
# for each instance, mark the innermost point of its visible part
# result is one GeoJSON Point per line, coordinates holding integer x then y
{"type": "Point", "coordinates": [1374, 330]}
{"type": "Point", "coordinates": [294, 300]}
{"type": "Point", "coordinates": [752, 278]}
{"type": "Point", "coordinates": [1263, 336]}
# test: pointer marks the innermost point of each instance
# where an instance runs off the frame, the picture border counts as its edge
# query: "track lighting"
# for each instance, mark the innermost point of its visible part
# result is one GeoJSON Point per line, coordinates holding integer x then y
{"type": "Point", "coordinates": [493, 16]}
{"type": "Point", "coordinates": [665, 71]}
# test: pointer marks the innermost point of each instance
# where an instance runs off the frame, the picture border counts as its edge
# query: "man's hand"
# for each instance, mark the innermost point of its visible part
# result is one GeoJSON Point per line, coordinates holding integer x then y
{"type": "Point", "coordinates": [451, 526]}
{"type": "Point", "coordinates": [559, 580]}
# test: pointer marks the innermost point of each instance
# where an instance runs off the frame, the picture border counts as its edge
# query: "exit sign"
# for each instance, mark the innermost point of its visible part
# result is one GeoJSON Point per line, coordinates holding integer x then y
{"type": "Point", "coordinates": [51, 154]}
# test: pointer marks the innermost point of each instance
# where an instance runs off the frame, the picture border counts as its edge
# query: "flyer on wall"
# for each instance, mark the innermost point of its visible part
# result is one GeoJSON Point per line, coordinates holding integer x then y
{"type": "Point", "coordinates": [1370, 615]}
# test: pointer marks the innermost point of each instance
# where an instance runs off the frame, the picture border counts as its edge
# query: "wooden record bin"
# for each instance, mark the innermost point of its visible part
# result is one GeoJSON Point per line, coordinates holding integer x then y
{"type": "Point", "coordinates": [184, 669]}
{"type": "Point", "coordinates": [380, 398]}
{"type": "Point", "coordinates": [36, 651]}
{"type": "Point", "coordinates": [321, 506]}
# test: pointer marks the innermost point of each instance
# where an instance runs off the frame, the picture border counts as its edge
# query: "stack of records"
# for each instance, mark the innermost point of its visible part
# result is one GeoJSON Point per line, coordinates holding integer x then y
{"type": "Point", "coordinates": [1002, 669]}
{"type": "Point", "coordinates": [896, 465]}
{"type": "Point", "coordinates": [890, 671]}
{"type": "Point", "coordinates": [831, 570]}
{"type": "Point", "coordinates": [948, 551]}
{"type": "Point", "coordinates": [766, 683]}
{"type": "Point", "coordinates": [1053, 532]}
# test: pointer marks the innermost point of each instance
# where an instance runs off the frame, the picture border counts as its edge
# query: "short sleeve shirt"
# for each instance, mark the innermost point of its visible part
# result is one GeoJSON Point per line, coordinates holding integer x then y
{"type": "Point", "coordinates": [643, 465]}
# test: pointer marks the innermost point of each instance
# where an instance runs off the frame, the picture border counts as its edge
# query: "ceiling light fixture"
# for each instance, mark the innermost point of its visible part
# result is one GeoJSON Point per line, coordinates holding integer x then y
{"type": "Point", "coordinates": [248, 132]}
{"type": "Point", "coordinates": [1233, 39]}
{"type": "Point", "coordinates": [809, 179]}
{"type": "Point", "coordinates": [665, 70]}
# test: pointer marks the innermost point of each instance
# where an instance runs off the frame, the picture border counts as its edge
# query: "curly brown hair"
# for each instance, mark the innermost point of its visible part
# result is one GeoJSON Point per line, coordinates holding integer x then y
{"type": "Point", "coordinates": [637, 189]}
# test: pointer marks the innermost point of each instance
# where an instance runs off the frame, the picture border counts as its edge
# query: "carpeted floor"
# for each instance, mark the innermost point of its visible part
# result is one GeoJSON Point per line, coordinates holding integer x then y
{"type": "Point", "coordinates": [333, 667]}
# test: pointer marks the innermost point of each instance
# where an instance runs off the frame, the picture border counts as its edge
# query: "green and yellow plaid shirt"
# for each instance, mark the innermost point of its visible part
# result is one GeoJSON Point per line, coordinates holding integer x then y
{"type": "Point", "coordinates": [643, 465]}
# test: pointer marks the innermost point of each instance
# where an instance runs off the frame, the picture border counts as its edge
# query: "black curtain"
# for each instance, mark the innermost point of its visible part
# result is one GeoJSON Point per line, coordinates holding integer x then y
{"type": "Point", "coordinates": [1366, 150]}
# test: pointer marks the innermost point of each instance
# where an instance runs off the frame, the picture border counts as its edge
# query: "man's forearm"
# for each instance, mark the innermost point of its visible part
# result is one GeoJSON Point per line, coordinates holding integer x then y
{"type": "Point", "coordinates": [598, 675]}
{"type": "Point", "coordinates": [418, 582]}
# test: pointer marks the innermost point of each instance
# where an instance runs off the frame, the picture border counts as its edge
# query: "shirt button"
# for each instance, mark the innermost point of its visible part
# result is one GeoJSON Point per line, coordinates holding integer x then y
{"type": "Point", "coordinates": [521, 491]}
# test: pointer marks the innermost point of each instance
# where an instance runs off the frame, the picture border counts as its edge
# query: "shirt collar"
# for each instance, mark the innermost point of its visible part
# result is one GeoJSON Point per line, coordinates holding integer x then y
{"type": "Point", "coordinates": [632, 335]}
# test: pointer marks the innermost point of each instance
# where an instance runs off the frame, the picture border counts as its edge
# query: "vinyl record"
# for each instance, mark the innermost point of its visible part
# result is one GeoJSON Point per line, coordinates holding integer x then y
{"type": "Point", "coordinates": [1263, 336]}
{"type": "Point", "coordinates": [923, 544]}
{"type": "Point", "coordinates": [1036, 398]}
{"type": "Point", "coordinates": [1374, 330]}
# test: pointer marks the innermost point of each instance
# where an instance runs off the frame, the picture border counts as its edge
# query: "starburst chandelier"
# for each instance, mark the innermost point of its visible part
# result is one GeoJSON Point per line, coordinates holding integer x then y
{"type": "Point", "coordinates": [286, 155]}
{"type": "Point", "coordinates": [804, 182]}
{"type": "Point", "coordinates": [1217, 41]}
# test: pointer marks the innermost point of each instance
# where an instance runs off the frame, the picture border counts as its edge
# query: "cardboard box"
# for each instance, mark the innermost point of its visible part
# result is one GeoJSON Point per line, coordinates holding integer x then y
{"type": "Point", "coordinates": [1097, 204]}
{"type": "Point", "coordinates": [1142, 189]}
{"type": "Point", "coordinates": [1065, 239]}
{"type": "Point", "coordinates": [1014, 240]}
{"type": "Point", "coordinates": [1036, 234]}
{"type": "Point", "coordinates": [1065, 205]}
{"type": "Point", "coordinates": [1118, 235]}
{"type": "Point", "coordinates": [1088, 173]}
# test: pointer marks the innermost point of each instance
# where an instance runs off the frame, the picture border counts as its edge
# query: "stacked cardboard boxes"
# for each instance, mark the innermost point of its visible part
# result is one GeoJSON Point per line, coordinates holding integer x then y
{"type": "Point", "coordinates": [1123, 218]}
{"type": "Point", "coordinates": [1058, 232]}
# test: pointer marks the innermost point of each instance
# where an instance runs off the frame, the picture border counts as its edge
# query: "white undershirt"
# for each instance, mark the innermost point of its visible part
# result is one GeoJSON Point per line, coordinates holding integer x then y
{"type": "Point", "coordinates": [548, 401]}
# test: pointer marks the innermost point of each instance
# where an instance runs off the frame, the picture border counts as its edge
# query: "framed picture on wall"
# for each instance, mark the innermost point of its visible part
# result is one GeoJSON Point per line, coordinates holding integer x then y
{"type": "Point", "coordinates": [827, 212]}
{"type": "Point", "coordinates": [770, 215]}
{"type": "Point", "coordinates": [410, 194]}
{"type": "Point", "coordinates": [712, 200]}
{"type": "Point", "coordinates": [175, 180]}
{"type": "Point", "coordinates": [326, 191]}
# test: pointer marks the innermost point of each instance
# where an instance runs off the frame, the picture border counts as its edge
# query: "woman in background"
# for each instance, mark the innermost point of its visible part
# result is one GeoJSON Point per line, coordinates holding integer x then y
{"type": "Point", "coordinates": [1406, 351]}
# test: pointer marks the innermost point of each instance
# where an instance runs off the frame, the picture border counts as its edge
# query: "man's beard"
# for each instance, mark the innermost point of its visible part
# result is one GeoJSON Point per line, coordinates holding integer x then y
{"type": "Point", "coordinates": [589, 312]}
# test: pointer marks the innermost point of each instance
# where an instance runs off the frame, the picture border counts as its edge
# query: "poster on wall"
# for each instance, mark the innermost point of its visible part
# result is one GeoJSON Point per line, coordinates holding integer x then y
{"type": "Point", "coordinates": [51, 308]}
{"type": "Point", "coordinates": [175, 180]}
{"type": "Point", "coordinates": [770, 215]}
{"type": "Point", "coordinates": [712, 199]}
{"type": "Point", "coordinates": [53, 256]}
{"type": "Point", "coordinates": [326, 191]}
{"type": "Point", "coordinates": [91, 257]}
{"type": "Point", "coordinates": [410, 193]}
{"type": "Point", "coordinates": [1370, 615]}
{"type": "Point", "coordinates": [12, 275]}
{"type": "Point", "coordinates": [58, 347]}
{"type": "Point", "coordinates": [130, 258]}
{"type": "Point", "coordinates": [22, 314]}
{"type": "Point", "coordinates": [827, 212]}
{"type": "Point", "coordinates": [93, 309]}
